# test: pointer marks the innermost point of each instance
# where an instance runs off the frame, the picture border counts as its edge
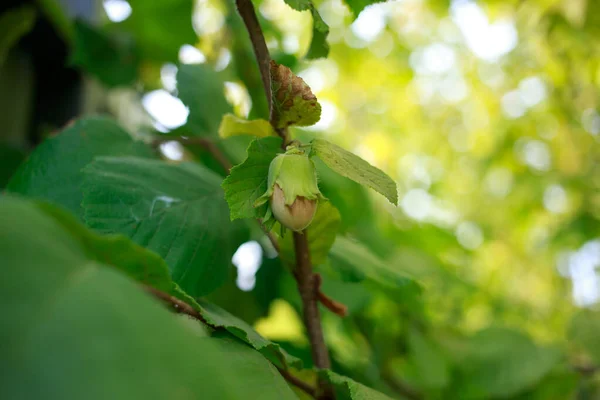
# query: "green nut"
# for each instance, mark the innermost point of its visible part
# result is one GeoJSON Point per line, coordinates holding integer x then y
{"type": "Point", "coordinates": [292, 190]}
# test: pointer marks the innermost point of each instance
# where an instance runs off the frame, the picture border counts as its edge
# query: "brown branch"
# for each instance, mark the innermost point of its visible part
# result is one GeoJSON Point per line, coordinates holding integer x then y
{"type": "Point", "coordinates": [175, 304]}
{"type": "Point", "coordinates": [308, 286]}
{"type": "Point", "coordinates": [300, 384]}
{"type": "Point", "coordinates": [334, 306]}
{"type": "Point", "coordinates": [246, 10]}
{"type": "Point", "coordinates": [205, 143]}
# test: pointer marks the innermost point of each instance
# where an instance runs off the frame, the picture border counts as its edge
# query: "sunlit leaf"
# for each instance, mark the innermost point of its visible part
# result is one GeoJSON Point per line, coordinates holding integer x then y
{"type": "Point", "coordinates": [232, 126]}
{"type": "Point", "coordinates": [351, 166]}
{"type": "Point", "coordinates": [318, 46]}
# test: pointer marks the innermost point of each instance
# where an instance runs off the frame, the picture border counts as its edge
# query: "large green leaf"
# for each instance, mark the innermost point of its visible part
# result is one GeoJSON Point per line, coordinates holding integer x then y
{"type": "Point", "coordinates": [432, 369]}
{"type": "Point", "coordinates": [202, 89]}
{"type": "Point", "coordinates": [161, 27]}
{"type": "Point", "coordinates": [348, 389]}
{"type": "Point", "coordinates": [248, 180]}
{"type": "Point", "coordinates": [53, 171]}
{"type": "Point", "coordinates": [321, 234]}
{"type": "Point", "coordinates": [351, 166]}
{"type": "Point", "coordinates": [148, 268]}
{"type": "Point", "coordinates": [76, 328]}
{"type": "Point", "coordinates": [499, 362]}
{"type": "Point", "coordinates": [359, 263]}
{"type": "Point", "coordinates": [177, 211]}
{"type": "Point", "coordinates": [113, 63]}
{"type": "Point", "coordinates": [318, 46]}
{"type": "Point", "coordinates": [14, 23]}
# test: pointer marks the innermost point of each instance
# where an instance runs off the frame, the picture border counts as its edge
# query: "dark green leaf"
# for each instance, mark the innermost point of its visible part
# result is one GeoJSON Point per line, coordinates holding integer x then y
{"type": "Point", "coordinates": [177, 211]}
{"type": "Point", "coordinates": [113, 63]}
{"type": "Point", "coordinates": [248, 180]}
{"type": "Point", "coordinates": [432, 369]}
{"type": "Point", "coordinates": [75, 328]}
{"type": "Point", "coordinates": [348, 389]}
{"type": "Point", "coordinates": [10, 158]}
{"type": "Point", "coordinates": [161, 27]}
{"type": "Point", "coordinates": [351, 166]}
{"type": "Point", "coordinates": [357, 261]}
{"type": "Point", "coordinates": [499, 362]}
{"type": "Point", "coordinates": [202, 89]}
{"type": "Point", "coordinates": [53, 171]}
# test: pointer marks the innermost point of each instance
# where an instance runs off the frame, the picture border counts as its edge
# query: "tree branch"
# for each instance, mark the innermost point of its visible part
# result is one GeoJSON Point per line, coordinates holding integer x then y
{"type": "Point", "coordinates": [246, 10]}
{"type": "Point", "coordinates": [300, 384]}
{"type": "Point", "coordinates": [308, 284]}
{"type": "Point", "coordinates": [205, 143]}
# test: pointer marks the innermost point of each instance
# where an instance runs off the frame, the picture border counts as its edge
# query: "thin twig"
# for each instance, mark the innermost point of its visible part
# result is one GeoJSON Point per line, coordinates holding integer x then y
{"type": "Point", "coordinates": [176, 305]}
{"type": "Point", "coordinates": [246, 10]}
{"type": "Point", "coordinates": [334, 306]}
{"type": "Point", "coordinates": [300, 384]}
{"type": "Point", "coordinates": [205, 143]}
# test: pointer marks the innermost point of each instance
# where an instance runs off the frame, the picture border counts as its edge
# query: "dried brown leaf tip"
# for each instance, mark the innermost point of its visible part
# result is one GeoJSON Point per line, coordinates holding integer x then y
{"type": "Point", "coordinates": [293, 101]}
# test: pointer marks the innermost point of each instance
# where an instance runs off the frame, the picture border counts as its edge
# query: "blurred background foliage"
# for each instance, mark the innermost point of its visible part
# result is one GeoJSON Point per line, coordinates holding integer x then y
{"type": "Point", "coordinates": [485, 113]}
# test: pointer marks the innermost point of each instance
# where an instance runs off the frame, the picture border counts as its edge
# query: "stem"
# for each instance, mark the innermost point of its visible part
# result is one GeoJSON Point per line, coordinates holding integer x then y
{"type": "Point", "coordinates": [308, 285]}
{"type": "Point", "coordinates": [246, 10]}
{"type": "Point", "coordinates": [300, 384]}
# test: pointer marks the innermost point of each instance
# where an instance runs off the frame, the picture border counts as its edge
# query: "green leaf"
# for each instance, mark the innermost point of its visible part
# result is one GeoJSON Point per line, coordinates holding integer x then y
{"type": "Point", "coordinates": [248, 180]}
{"type": "Point", "coordinates": [348, 389]}
{"type": "Point", "coordinates": [583, 332]}
{"type": "Point", "coordinates": [14, 24]}
{"type": "Point", "coordinates": [175, 210]}
{"type": "Point", "coordinates": [351, 166]}
{"type": "Point", "coordinates": [113, 63]}
{"type": "Point", "coordinates": [53, 171]}
{"type": "Point", "coordinates": [500, 362]}
{"type": "Point", "coordinates": [218, 318]}
{"type": "Point", "coordinates": [10, 159]}
{"type": "Point", "coordinates": [318, 46]}
{"type": "Point", "coordinates": [356, 6]}
{"type": "Point", "coordinates": [161, 27]}
{"type": "Point", "coordinates": [293, 101]}
{"type": "Point", "coordinates": [360, 263]}
{"type": "Point", "coordinates": [76, 328]}
{"type": "Point", "coordinates": [321, 234]}
{"type": "Point", "coordinates": [432, 368]}
{"type": "Point", "coordinates": [201, 89]}
{"type": "Point", "coordinates": [232, 126]}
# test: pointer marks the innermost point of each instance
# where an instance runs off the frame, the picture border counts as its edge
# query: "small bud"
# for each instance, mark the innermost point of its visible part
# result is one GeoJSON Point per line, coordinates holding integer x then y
{"type": "Point", "coordinates": [292, 189]}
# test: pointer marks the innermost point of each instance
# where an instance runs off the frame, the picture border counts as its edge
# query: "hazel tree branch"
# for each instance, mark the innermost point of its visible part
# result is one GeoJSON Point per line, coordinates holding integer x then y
{"type": "Point", "coordinates": [308, 283]}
